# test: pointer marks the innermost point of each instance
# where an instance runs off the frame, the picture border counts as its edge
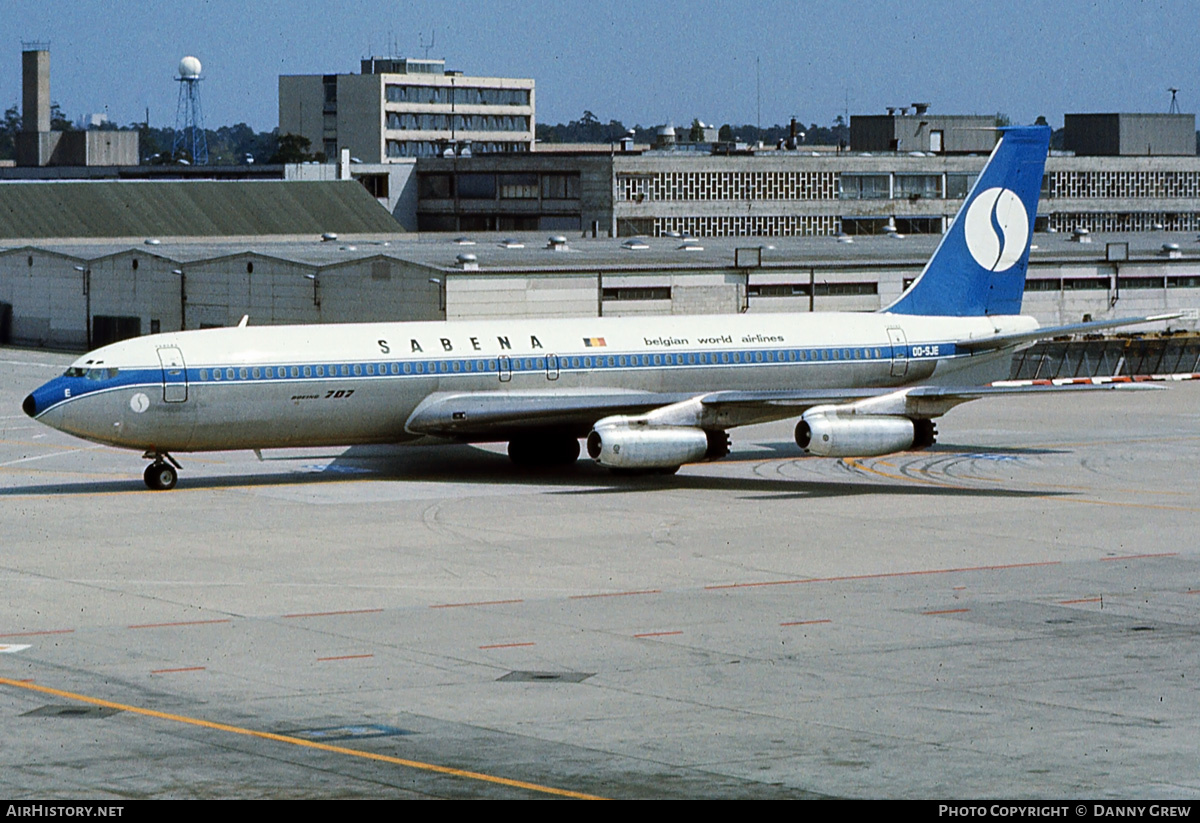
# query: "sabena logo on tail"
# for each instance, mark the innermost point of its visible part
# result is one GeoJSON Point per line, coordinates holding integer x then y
{"type": "Point", "coordinates": [997, 229]}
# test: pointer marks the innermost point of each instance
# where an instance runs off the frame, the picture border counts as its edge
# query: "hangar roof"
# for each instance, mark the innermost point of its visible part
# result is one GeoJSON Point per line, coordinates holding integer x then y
{"type": "Point", "coordinates": [661, 254]}
{"type": "Point", "coordinates": [192, 208]}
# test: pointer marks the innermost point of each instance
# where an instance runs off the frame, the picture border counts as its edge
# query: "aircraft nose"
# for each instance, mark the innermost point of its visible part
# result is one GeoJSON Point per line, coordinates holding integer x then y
{"type": "Point", "coordinates": [30, 406]}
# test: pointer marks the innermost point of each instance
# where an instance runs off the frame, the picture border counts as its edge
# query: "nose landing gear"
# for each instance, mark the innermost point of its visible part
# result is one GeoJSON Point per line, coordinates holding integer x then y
{"type": "Point", "coordinates": [161, 475]}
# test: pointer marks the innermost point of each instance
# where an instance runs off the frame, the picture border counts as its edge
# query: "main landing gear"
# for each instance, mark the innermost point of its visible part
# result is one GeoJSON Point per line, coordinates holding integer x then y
{"type": "Point", "coordinates": [161, 475]}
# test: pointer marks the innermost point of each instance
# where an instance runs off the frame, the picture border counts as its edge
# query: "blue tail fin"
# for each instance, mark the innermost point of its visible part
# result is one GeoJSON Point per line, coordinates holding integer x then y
{"type": "Point", "coordinates": [979, 267]}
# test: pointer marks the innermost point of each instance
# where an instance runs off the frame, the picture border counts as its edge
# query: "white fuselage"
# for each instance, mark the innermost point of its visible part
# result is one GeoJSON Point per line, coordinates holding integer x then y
{"type": "Point", "coordinates": [266, 387]}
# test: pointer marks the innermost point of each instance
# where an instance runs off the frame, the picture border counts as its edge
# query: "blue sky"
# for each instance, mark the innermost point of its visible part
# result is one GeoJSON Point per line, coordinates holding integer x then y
{"type": "Point", "coordinates": [642, 63]}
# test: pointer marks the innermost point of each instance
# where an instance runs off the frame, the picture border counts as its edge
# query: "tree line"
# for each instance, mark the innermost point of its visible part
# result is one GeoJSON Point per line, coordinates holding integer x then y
{"type": "Point", "coordinates": [228, 145]}
{"type": "Point", "coordinates": [590, 129]}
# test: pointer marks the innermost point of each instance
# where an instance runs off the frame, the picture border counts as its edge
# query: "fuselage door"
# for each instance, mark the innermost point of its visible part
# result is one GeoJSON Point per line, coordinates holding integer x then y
{"type": "Point", "coordinates": [552, 367]}
{"type": "Point", "coordinates": [174, 375]}
{"type": "Point", "coordinates": [899, 351]}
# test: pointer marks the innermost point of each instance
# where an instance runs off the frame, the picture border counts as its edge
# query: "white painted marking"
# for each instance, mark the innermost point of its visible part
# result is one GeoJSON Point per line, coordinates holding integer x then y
{"type": "Point", "coordinates": [10, 648]}
{"type": "Point", "coordinates": [139, 403]}
{"type": "Point", "coordinates": [54, 366]}
{"type": "Point", "coordinates": [40, 457]}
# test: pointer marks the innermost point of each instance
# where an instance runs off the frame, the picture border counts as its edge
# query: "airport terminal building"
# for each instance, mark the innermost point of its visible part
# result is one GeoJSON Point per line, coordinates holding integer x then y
{"type": "Point", "coordinates": [1127, 173]}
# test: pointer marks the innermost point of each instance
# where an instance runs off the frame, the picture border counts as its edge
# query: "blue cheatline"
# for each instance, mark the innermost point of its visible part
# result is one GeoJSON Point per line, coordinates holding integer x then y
{"type": "Point", "coordinates": [979, 267]}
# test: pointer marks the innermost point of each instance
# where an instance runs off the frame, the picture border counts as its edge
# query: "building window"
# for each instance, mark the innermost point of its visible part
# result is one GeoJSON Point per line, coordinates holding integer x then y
{"type": "Point", "coordinates": [518, 187]}
{"type": "Point", "coordinates": [434, 186]}
{"type": "Point", "coordinates": [916, 186]}
{"type": "Point", "coordinates": [637, 293]}
{"type": "Point", "coordinates": [1043, 284]}
{"type": "Point", "coordinates": [778, 290]}
{"type": "Point", "coordinates": [1085, 284]}
{"type": "Point", "coordinates": [560, 186]}
{"type": "Point", "coordinates": [865, 187]}
{"type": "Point", "coordinates": [958, 185]}
{"type": "Point", "coordinates": [845, 289]}
{"type": "Point", "coordinates": [476, 186]}
{"type": "Point", "coordinates": [376, 184]}
{"type": "Point", "coordinates": [1140, 283]}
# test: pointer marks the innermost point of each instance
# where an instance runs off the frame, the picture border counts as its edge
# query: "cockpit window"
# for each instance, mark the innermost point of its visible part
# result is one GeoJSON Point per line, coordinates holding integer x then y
{"type": "Point", "coordinates": [92, 373]}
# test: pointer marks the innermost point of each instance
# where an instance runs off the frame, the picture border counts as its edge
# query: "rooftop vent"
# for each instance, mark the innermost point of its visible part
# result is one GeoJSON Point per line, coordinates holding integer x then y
{"type": "Point", "coordinates": [1081, 235]}
{"type": "Point", "coordinates": [690, 244]}
{"type": "Point", "coordinates": [920, 108]}
{"type": "Point", "coordinates": [557, 243]}
{"type": "Point", "coordinates": [468, 261]}
{"type": "Point", "coordinates": [634, 243]}
{"type": "Point", "coordinates": [329, 237]}
{"type": "Point", "coordinates": [1171, 250]}
{"type": "Point", "coordinates": [464, 241]}
{"type": "Point", "coordinates": [510, 243]}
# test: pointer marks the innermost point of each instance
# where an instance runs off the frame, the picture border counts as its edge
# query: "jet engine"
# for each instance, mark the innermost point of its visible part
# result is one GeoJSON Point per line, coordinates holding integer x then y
{"type": "Point", "coordinates": [616, 447]}
{"type": "Point", "coordinates": [828, 434]}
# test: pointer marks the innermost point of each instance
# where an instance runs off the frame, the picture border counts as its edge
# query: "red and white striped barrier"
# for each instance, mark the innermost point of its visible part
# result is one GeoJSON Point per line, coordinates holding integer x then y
{"type": "Point", "coordinates": [1096, 381]}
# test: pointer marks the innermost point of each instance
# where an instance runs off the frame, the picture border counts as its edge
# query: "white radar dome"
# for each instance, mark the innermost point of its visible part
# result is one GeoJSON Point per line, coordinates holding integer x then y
{"type": "Point", "coordinates": [189, 68]}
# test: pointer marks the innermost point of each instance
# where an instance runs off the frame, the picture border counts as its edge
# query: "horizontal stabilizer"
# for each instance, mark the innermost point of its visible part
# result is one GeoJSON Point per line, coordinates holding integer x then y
{"type": "Point", "coordinates": [1002, 341]}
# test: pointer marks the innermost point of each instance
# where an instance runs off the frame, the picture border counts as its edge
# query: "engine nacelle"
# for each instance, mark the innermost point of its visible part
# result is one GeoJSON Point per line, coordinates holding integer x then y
{"type": "Point", "coordinates": [830, 435]}
{"type": "Point", "coordinates": [621, 446]}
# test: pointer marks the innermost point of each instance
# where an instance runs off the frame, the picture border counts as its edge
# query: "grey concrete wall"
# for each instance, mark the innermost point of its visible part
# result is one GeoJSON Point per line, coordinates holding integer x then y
{"type": "Point", "coordinates": [483, 295]}
{"type": "Point", "coordinates": [301, 107]}
{"type": "Point", "coordinates": [360, 116]}
{"type": "Point", "coordinates": [1131, 135]}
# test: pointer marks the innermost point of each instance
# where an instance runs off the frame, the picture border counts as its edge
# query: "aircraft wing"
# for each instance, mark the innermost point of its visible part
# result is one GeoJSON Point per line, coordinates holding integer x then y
{"type": "Point", "coordinates": [1002, 341]}
{"type": "Point", "coordinates": [471, 415]}
{"type": "Point", "coordinates": [500, 414]}
{"type": "Point", "coordinates": [503, 414]}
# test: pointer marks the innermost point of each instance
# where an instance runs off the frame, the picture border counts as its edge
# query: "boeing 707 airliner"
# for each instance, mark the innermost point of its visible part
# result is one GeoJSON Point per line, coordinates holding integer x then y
{"type": "Point", "coordinates": [648, 394]}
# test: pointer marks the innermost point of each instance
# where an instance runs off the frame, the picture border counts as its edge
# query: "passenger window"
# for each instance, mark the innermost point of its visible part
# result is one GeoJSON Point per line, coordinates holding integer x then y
{"type": "Point", "coordinates": [243, 374]}
{"type": "Point", "coordinates": [257, 373]}
{"type": "Point", "coordinates": [204, 374]}
{"type": "Point", "coordinates": [229, 374]}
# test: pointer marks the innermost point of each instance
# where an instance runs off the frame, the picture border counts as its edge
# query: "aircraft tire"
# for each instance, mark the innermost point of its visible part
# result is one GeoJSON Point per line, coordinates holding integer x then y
{"type": "Point", "coordinates": [160, 476]}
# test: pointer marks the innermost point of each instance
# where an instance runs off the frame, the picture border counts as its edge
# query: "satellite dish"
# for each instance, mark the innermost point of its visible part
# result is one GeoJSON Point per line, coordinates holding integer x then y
{"type": "Point", "coordinates": [189, 68]}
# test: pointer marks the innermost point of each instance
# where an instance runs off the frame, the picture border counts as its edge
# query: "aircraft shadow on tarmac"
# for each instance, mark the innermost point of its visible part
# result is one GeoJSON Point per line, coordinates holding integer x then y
{"type": "Point", "coordinates": [462, 464]}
